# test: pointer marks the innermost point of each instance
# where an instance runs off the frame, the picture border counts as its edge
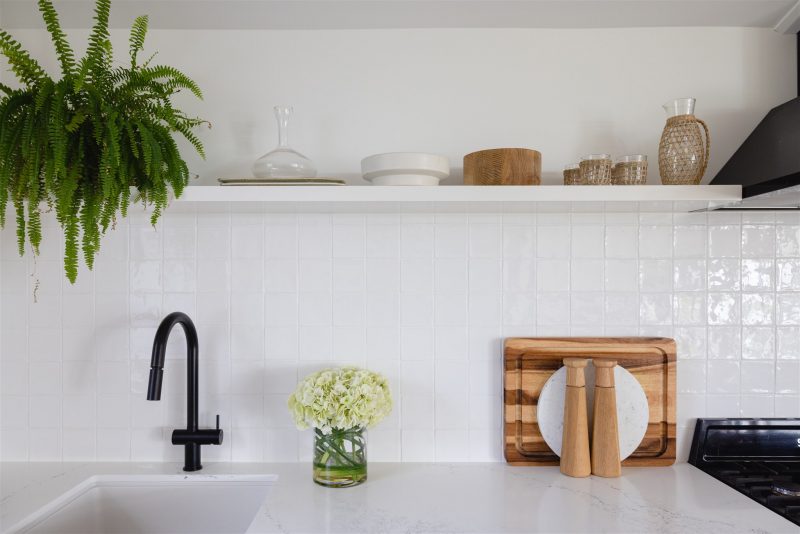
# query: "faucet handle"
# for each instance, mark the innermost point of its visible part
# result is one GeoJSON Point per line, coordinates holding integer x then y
{"type": "Point", "coordinates": [218, 432]}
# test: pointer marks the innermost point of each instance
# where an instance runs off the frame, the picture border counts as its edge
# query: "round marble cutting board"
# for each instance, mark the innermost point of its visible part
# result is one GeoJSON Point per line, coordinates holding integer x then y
{"type": "Point", "coordinates": [633, 411]}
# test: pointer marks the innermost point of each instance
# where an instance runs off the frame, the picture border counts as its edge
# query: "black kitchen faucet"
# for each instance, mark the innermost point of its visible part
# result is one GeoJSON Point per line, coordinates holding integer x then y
{"type": "Point", "coordinates": [190, 437]}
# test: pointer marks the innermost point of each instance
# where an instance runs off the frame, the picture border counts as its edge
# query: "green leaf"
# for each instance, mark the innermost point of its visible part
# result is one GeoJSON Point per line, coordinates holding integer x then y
{"type": "Point", "coordinates": [76, 121]}
{"type": "Point", "coordinates": [99, 50]}
{"type": "Point", "coordinates": [138, 34]}
{"type": "Point", "coordinates": [22, 64]}
{"type": "Point", "coordinates": [78, 144]}
{"type": "Point", "coordinates": [63, 50]}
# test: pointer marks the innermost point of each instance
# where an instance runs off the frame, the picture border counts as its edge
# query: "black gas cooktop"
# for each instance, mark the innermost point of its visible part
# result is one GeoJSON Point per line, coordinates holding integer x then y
{"type": "Point", "coordinates": [758, 457]}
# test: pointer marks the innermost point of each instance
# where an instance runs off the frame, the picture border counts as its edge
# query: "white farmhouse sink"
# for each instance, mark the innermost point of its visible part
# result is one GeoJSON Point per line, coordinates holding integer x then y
{"type": "Point", "coordinates": [153, 504]}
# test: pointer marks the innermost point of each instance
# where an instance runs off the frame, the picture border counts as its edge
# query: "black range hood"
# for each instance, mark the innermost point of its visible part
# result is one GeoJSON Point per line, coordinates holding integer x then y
{"type": "Point", "coordinates": [767, 165]}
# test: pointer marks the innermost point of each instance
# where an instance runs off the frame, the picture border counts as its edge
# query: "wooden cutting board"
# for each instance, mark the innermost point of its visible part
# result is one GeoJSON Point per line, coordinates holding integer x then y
{"type": "Point", "coordinates": [529, 362]}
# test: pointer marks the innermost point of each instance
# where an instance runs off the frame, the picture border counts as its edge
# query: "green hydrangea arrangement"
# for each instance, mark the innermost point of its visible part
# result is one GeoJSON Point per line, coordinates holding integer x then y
{"type": "Point", "coordinates": [340, 399]}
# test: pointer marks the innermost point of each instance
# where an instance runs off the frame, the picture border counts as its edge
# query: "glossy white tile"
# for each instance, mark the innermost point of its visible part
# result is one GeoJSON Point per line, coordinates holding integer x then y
{"type": "Point", "coordinates": [758, 343]}
{"type": "Point", "coordinates": [689, 275]}
{"type": "Point", "coordinates": [621, 241]}
{"type": "Point", "coordinates": [788, 343]}
{"type": "Point", "coordinates": [788, 241]}
{"type": "Point", "coordinates": [758, 241]}
{"type": "Point", "coordinates": [724, 308]}
{"type": "Point", "coordinates": [655, 241]}
{"type": "Point", "coordinates": [725, 241]}
{"type": "Point", "coordinates": [621, 275]}
{"type": "Point", "coordinates": [425, 298]}
{"type": "Point", "coordinates": [724, 376]}
{"type": "Point", "coordinates": [519, 241]}
{"type": "Point", "coordinates": [689, 241]}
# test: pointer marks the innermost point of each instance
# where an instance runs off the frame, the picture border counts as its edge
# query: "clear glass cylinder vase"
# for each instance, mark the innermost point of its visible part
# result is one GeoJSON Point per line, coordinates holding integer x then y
{"type": "Point", "coordinates": [340, 457]}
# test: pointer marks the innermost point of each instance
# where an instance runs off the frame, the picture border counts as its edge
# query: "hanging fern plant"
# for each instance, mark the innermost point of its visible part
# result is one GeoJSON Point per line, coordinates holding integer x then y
{"type": "Point", "coordinates": [79, 144]}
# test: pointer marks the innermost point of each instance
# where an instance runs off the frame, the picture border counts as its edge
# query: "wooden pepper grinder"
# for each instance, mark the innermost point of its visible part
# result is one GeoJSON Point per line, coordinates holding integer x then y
{"type": "Point", "coordinates": [575, 460]}
{"type": "Point", "coordinates": [605, 431]}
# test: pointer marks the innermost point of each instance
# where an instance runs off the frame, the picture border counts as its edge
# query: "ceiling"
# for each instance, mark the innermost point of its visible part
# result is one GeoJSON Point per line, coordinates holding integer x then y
{"type": "Point", "coordinates": [782, 15]}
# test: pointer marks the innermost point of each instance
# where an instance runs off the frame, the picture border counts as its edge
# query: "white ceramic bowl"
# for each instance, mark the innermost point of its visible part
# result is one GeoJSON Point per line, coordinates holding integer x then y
{"type": "Point", "coordinates": [405, 168]}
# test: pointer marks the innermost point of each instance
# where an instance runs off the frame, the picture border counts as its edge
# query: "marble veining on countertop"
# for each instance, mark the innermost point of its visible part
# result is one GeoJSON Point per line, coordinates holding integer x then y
{"type": "Point", "coordinates": [440, 498]}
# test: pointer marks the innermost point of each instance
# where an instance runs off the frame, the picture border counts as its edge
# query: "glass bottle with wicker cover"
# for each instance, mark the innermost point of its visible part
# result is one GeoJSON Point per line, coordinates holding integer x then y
{"type": "Point", "coordinates": [683, 151]}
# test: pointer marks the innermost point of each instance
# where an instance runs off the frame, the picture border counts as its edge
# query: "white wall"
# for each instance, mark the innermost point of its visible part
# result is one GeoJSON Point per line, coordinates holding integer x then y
{"type": "Point", "coordinates": [424, 298]}
{"type": "Point", "coordinates": [563, 92]}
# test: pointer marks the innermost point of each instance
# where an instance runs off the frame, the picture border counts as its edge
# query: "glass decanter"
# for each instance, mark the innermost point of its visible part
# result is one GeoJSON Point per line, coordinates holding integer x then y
{"type": "Point", "coordinates": [284, 162]}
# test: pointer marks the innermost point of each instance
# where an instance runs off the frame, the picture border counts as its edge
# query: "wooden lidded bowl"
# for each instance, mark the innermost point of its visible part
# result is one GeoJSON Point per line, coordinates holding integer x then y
{"type": "Point", "coordinates": [503, 166]}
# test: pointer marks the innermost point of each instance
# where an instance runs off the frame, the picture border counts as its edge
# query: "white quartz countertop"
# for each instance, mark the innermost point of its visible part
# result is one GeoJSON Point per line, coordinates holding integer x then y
{"type": "Point", "coordinates": [419, 498]}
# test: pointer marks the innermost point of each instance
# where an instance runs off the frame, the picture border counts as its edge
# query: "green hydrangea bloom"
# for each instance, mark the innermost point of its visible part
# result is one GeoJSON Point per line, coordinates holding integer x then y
{"type": "Point", "coordinates": [340, 398]}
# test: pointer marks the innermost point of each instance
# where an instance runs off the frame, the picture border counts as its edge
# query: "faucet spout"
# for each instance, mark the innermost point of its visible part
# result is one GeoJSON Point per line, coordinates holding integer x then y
{"type": "Point", "coordinates": [191, 437]}
{"type": "Point", "coordinates": [154, 384]}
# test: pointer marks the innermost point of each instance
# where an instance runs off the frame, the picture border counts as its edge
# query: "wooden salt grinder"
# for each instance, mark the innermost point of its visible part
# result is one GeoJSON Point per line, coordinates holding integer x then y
{"type": "Point", "coordinates": [605, 431]}
{"type": "Point", "coordinates": [575, 460]}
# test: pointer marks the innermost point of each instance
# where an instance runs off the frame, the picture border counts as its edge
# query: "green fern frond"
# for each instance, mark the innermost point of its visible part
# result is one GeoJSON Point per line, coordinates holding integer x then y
{"type": "Point", "coordinates": [44, 93]}
{"type": "Point", "coordinates": [147, 143]}
{"type": "Point", "coordinates": [138, 34]}
{"type": "Point", "coordinates": [97, 54]}
{"type": "Point", "coordinates": [191, 137]}
{"type": "Point", "coordinates": [22, 64]}
{"type": "Point", "coordinates": [170, 75]}
{"type": "Point", "coordinates": [34, 217]}
{"type": "Point", "coordinates": [88, 218]}
{"type": "Point", "coordinates": [66, 56]}
{"type": "Point", "coordinates": [76, 121]}
{"type": "Point", "coordinates": [149, 60]}
{"type": "Point", "coordinates": [19, 207]}
{"type": "Point", "coordinates": [71, 231]}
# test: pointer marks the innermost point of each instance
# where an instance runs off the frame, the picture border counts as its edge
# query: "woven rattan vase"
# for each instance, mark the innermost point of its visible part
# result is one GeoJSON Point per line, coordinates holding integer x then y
{"type": "Point", "coordinates": [685, 146]}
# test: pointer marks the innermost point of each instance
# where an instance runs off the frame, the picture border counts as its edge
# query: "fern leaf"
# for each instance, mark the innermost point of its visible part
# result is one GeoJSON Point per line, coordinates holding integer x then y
{"type": "Point", "coordinates": [45, 90]}
{"type": "Point", "coordinates": [98, 51]}
{"type": "Point", "coordinates": [22, 64]}
{"type": "Point", "coordinates": [88, 218]}
{"type": "Point", "coordinates": [146, 142]}
{"type": "Point", "coordinates": [56, 129]}
{"type": "Point", "coordinates": [112, 135]}
{"type": "Point", "coordinates": [173, 76]}
{"type": "Point", "coordinates": [19, 207]}
{"type": "Point", "coordinates": [76, 121]}
{"type": "Point", "coordinates": [64, 52]}
{"type": "Point", "coordinates": [34, 218]}
{"type": "Point", "coordinates": [191, 137]}
{"type": "Point", "coordinates": [138, 34]}
{"type": "Point", "coordinates": [131, 140]}
{"type": "Point", "coordinates": [71, 248]}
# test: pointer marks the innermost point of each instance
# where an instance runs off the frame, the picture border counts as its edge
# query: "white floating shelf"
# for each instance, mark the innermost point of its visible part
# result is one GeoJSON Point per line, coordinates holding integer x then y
{"type": "Point", "coordinates": [465, 198]}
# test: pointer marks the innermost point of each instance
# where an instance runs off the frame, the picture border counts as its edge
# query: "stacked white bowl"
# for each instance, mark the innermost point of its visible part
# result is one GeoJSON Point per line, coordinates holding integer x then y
{"type": "Point", "coordinates": [405, 168]}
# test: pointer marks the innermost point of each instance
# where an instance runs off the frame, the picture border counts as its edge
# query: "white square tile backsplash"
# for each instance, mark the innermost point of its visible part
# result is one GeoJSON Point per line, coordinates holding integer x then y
{"type": "Point", "coordinates": [424, 298]}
